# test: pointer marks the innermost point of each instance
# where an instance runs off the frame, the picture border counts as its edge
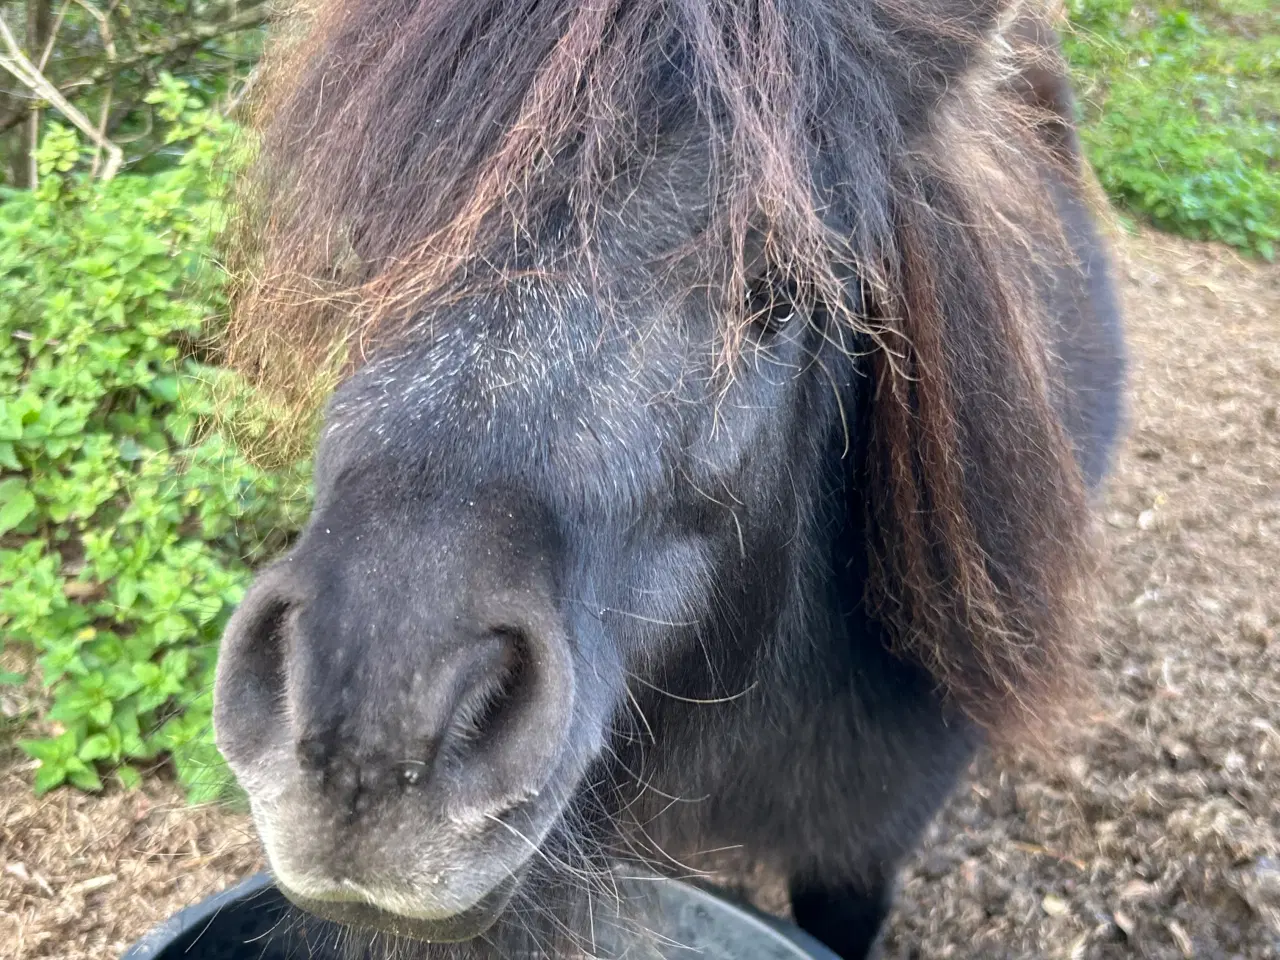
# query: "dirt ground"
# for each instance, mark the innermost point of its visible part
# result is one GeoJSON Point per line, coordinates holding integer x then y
{"type": "Point", "coordinates": [1155, 835]}
{"type": "Point", "coordinates": [1159, 834]}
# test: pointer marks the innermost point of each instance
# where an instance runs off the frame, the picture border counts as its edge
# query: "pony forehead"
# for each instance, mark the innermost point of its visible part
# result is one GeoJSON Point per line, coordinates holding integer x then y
{"type": "Point", "coordinates": [411, 127]}
{"type": "Point", "coordinates": [407, 143]}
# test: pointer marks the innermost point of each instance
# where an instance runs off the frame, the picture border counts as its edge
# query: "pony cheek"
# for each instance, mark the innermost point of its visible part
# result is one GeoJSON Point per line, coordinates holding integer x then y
{"type": "Point", "coordinates": [633, 607]}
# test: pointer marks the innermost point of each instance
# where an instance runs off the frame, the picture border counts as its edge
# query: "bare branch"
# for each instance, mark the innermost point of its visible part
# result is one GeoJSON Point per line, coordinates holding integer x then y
{"type": "Point", "coordinates": [248, 18]}
{"type": "Point", "coordinates": [104, 29]}
{"type": "Point", "coordinates": [16, 62]}
{"type": "Point", "coordinates": [103, 116]}
{"type": "Point", "coordinates": [53, 35]}
{"type": "Point", "coordinates": [33, 140]}
{"type": "Point", "coordinates": [109, 46]}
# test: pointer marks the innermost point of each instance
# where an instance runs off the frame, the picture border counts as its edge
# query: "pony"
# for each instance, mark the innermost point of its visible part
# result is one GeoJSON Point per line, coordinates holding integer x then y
{"type": "Point", "coordinates": [713, 396]}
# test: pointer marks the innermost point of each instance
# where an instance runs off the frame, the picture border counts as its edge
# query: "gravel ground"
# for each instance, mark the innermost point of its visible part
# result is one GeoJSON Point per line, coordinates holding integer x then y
{"type": "Point", "coordinates": [1154, 834]}
{"type": "Point", "coordinates": [1157, 833]}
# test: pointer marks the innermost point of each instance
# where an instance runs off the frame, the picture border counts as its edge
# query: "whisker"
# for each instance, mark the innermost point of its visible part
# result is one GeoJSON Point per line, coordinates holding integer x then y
{"type": "Point", "coordinates": [708, 702]}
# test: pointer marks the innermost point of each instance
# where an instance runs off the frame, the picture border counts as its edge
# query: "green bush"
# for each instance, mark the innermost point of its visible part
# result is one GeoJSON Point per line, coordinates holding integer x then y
{"type": "Point", "coordinates": [1182, 113]}
{"type": "Point", "coordinates": [126, 527]}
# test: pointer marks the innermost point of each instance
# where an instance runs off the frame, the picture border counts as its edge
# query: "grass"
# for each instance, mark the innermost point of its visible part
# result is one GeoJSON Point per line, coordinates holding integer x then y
{"type": "Point", "coordinates": [1181, 111]}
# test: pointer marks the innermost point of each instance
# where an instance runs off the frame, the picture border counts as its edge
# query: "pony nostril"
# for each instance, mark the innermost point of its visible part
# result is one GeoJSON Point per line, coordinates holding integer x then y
{"type": "Point", "coordinates": [249, 697]}
{"type": "Point", "coordinates": [265, 652]}
{"type": "Point", "coordinates": [518, 710]}
{"type": "Point", "coordinates": [494, 687]}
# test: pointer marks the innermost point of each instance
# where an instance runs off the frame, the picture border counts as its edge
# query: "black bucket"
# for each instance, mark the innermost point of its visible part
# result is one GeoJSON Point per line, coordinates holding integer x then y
{"type": "Point", "coordinates": [247, 922]}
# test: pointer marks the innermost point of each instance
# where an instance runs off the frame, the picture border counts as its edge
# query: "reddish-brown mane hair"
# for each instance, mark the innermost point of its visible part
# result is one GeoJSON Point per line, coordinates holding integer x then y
{"type": "Point", "coordinates": [406, 144]}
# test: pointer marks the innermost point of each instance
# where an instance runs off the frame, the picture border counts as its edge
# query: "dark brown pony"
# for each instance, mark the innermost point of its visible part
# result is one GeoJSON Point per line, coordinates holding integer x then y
{"type": "Point", "coordinates": [721, 383]}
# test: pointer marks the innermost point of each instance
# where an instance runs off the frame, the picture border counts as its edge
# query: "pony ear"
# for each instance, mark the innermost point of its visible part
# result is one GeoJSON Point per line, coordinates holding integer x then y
{"type": "Point", "coordinates": [1042, 83]}
{"type": "Point", "coordinates": [978, 515]}
{"type": "Point", "coordinates": [930, 44]}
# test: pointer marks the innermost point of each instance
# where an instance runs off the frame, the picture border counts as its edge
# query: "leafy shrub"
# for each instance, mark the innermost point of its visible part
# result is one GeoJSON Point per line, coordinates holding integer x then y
{"type": "Point", "coordinates": [126, 528]}
{"type": "Point", "coordinates": [1182, 113]}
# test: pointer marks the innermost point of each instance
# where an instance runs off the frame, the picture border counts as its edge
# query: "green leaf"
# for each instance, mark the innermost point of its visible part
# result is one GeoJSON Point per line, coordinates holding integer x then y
{"type": "Point", "coordinates": [129, 778]}
{"type": "Point", "coordinates": [49, 752]}
{"type": "Point", "coordinates": [164, 388]}
{"type": "Point", "coordinates": [16, 504]}
{"type": "Point", "coordinates": [100, 713]}
{"type": "Point", "coordinates": [96, 747]}
{"type": "Point", "coordinates": [121, 685]}
{"type": "Point", "coordinates": [57, 758]}
{"type": "Point", "coordinates": [9, 457]}
{"type": "Point", "coordinates": [47, 778]}
{"type": "Point", "coordinates": [84, 778]}
{"type": "Point", "coordinates": [62, 658]}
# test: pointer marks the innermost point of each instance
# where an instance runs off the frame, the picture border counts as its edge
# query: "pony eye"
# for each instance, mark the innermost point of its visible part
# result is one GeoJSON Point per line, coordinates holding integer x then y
{"type": "Point", "coordinates": [771, 305]}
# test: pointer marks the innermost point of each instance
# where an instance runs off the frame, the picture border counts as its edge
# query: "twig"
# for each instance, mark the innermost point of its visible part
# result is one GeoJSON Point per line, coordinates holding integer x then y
{"type": "Point", "coordinates": [33, 141]}
{"type": "Point", "coordinates": [53, 35]}
{"type": "Point", "coordinates": [104, 30]}
{"type": "Point", "coordinates": [247, 19]}
{"type": "Point", "coordinates": [16, 62]}
{"type": "Point", "coordinates": [245, 89]}
{"type": "Point", "coordinates": [108, 45]}
{"type": "Point", "coordinates": [104, 115]}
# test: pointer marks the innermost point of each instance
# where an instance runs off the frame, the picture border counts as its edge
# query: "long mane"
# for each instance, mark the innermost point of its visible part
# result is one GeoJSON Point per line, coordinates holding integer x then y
{"type": "Point", "coordinates": [405, 144]}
